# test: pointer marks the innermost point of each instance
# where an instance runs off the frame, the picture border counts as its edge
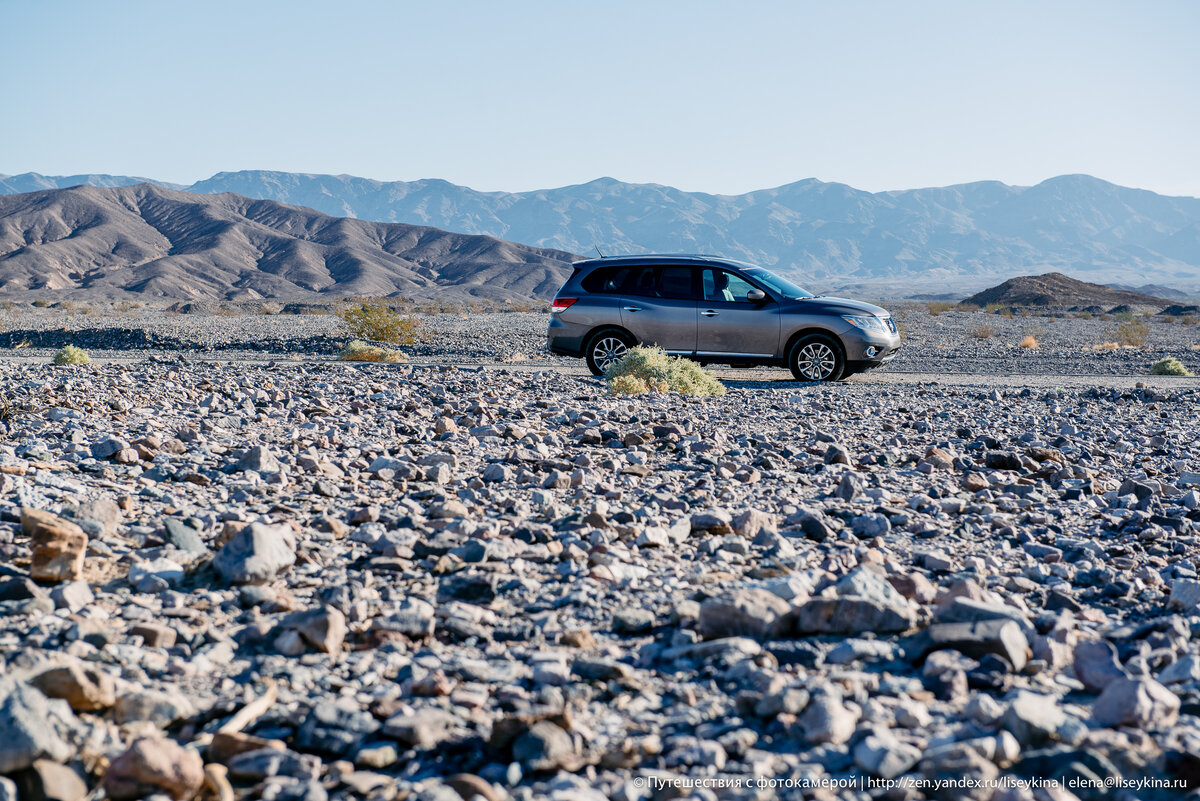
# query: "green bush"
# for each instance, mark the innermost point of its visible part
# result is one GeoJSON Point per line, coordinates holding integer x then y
{"type": "Point", "coordinates": [359, 351]}
{"type": "Point", "coordinates": [375, 321]}
{"type": "Point", "coordinates": [71, 355]}
{"type": "Point", "coordinates": [1132, 333]}
{"type": "Point", "coordinates": [651, 370]}
{"type": "Point", "coordinates": [1169, 366]}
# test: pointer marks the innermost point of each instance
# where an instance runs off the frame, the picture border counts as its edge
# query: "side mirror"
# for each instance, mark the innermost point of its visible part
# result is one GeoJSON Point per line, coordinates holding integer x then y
{"type": "Point", "coordinates": [756, 296]}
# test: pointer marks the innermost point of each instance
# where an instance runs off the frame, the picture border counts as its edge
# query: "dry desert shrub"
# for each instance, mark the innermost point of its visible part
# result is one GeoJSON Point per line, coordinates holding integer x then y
{"type": "Point", "coordinates": [936, 307]}
{"type": "Point", "coordinates": [71, 355]}
{"type": "Point", "coordinates": [1131, 333]}
{"type": "Point", "coordinates": [1169, 366]}
{"type": "Point", "coordinates": [1104, 346]}
{"type": "Point", "coordinates": [651, 370]}
{"type": "Point", "coordinates": [368, 319]}
{"type": "Point", "coordinates": [359, 351]}
{"type": "Point", "coordinates": [1029, 342]}
{"type": "Point", "coordinates": [984, 332]}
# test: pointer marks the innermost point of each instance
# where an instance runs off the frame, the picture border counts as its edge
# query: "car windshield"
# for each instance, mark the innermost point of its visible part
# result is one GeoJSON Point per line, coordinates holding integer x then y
{"type": "Point", "coordinates": [781, 285]}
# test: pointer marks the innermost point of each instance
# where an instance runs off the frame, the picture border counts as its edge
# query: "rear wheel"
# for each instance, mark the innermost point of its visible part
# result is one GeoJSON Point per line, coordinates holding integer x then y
{"type": "Point", "coordinates": [816, 358]}
{"type": "Point", "coordinates": [607, 348]}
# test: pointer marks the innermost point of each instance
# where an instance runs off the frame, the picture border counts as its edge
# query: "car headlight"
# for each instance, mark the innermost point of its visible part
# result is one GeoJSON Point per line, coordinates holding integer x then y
{"type": "Point", "coordinates": [867, 323]}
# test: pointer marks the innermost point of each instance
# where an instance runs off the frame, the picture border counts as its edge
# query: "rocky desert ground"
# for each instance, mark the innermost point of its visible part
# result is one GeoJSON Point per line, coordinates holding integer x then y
{"type": "Point", "coordinates": [235, 568]}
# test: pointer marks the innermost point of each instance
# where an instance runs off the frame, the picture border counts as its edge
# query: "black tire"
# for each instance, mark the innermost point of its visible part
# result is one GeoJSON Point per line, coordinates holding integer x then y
{"type": "Point", "coordinates": [816, 358]}
{"type": "Point", "coordinates": [605, 347]}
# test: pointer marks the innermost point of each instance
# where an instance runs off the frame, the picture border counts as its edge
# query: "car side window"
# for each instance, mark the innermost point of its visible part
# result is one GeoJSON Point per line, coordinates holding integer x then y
{"type": "Point", "coordinates": [641, 282]}
{"type": "Point", "coordinates": [675, 283]}
{"type": "Point", "coordinates": [722, 286]}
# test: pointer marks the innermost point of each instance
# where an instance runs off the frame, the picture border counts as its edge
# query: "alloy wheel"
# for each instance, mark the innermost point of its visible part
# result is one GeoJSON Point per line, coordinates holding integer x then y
{"type": "Point", "coordinates": [816, 361]}
{"type": "Point", "coordinates": [608, 351]}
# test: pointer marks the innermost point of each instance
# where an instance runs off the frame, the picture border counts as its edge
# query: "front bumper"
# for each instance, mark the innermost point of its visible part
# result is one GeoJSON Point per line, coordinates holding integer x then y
{"type": "Point", "coordinates": [866, 349]}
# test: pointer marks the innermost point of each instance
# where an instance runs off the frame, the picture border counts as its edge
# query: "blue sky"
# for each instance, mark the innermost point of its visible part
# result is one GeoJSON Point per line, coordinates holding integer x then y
{"type": "Point", "coordinates": [710, 96]}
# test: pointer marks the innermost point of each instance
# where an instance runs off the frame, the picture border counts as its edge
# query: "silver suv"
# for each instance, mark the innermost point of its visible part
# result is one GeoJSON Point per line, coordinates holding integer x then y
{"type": "Point", "coordinates": [715, 310]}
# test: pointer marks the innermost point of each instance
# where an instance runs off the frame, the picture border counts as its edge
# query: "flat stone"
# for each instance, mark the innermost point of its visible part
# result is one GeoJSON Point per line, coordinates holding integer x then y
{"type": "Point", "coordinates": [323, 627]}
{"type": "Point", "coordinates": [1002, 637]}
{"type": "Point", "coordinates": [335, 727]}
{"type": "Point", "coordinates": [155, 765]}
{"type": "Point", "coordinates": [749, 612]}
{"type": "Point", "coordinates": [1140, 703]}
{"type": "Point", "coordinates": [28, 734]}
{"type": "Point", "coordinates": [183, 536]}
{"type": "Point", "coordinates": [424, 728]}
{"type": "Point", "coordinates": [72, 596]}
{"type": "Point", "coordinates": [257, 554]}
{"type": "Point", "coordinates": [1096, 664]}
{"type": "Point", "coordinates": [160, 708]}
{"type": "Point", "coordinates": [59, 546]}
{"type": "Point", "coordinates": [884, 756]}
{"type": "Point", "coordinates": [544, 747]}
{"type": "Point", "coordinates": [85, 688]}
{"type": "Point", "coordinates": [851, 615]}
{"type": "Point", "coordinates": [50, 781]}
{"type": "Point", "coordinates": [155, 635]}
{"type": "Point", "coordinates": [826, 720]}
{"type": "Point", "coordinates": [1033, 718]}
{"type": "Point", "coordinates": [1185, 595]}
{"type": "Point", "coordinates": [260, 460]}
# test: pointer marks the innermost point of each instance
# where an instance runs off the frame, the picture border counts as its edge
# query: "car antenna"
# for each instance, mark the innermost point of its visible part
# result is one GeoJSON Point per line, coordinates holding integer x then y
{"type": "Point", "coordinates": [597, 247]}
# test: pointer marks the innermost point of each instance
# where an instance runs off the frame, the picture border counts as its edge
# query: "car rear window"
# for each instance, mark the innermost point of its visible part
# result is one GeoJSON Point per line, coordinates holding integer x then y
{"type": "Point", "coordinates": [606, 280]}
{"type": "Point", "coordinates": [661, 282]}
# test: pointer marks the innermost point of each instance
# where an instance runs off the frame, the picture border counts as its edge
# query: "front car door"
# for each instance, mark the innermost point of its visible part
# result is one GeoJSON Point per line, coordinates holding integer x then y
{"type": "Point", "coordinates": [658, 307]}
{"type": "Point", "coordinates": [729, 324]}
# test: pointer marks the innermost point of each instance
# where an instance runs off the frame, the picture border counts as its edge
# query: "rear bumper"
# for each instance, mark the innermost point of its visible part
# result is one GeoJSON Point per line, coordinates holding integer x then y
{"type": "Point", "coordinates": [563, 338]}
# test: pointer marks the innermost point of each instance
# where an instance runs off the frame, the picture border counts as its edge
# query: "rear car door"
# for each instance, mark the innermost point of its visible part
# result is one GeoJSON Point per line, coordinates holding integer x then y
{"type": "Point", "coordinates": [729, 323]}
{"type": "Point", "coordinates": [659, 307]}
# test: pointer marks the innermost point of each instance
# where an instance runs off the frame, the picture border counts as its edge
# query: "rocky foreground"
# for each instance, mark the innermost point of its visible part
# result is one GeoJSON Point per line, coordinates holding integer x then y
{"type": "Point", "coordinates": [321, 581]}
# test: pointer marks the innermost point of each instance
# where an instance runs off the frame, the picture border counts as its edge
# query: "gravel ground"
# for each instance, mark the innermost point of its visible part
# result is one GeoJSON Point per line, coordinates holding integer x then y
{"type": "Point", "coordinates": [943, 343]}
{"type": "Point", "coordinates": [278, 579]}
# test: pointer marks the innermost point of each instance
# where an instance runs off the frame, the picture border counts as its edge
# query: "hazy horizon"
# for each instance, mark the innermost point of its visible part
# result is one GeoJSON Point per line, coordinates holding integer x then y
{"type": "Point", "coordinates": [531, 95]}
{"type": "Point", "coordinates": [186, 184]}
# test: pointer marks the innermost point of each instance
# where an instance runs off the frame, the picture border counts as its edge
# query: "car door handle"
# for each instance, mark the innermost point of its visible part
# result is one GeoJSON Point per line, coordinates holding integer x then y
{"type": "Point", "coordinates": [632, 308]}
{"type": "Point", "coordinates": [709, 313]}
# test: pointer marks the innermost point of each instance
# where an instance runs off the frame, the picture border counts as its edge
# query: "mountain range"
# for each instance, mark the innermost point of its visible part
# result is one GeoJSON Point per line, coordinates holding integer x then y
{"type": "Point", "coordinates": [825, 235]}
{"type": "Point", "coordinates": [151, 241]}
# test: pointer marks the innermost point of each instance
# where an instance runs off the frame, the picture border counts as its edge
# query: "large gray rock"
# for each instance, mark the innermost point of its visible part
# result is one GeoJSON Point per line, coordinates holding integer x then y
{"type": "Point", "coordinates": [257, 554]}
{"type": "Point", "coordinates": [424, 728]}
{"type": "Point", "coordinates": [1001, 637]}
{"type": "Point", "coordinates": [260, 460]}
{"type": "Point", "coordinates": [865, 601]}
{"type": "Point", "coordinates": [748, 612]}
{"type": "Point", "coordinates": [827, 720]}
{"type": "Point", "coordinates": [28, 729]}
{"type": "Point", "coordinates": [160, 708]}
{"type": "Point", "coordinates": [1185, 595]}
{"type": "Point", "coordinates": [335, 727]}
{"type": "Point", "coordinates": [1096, 664]}
{"type": "Point", "coordinates": [1033, 718]}
{"type": "Point", "coordinates": [1139, 703]}
{"type": "Point", "coordinates": [885, 756]}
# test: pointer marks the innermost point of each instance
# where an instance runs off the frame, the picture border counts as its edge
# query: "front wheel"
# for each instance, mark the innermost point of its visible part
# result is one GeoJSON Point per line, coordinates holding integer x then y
{"type": "Point", "coordinates": [605, 349]}
{"type": "Point", "coordinates": [816, 358]}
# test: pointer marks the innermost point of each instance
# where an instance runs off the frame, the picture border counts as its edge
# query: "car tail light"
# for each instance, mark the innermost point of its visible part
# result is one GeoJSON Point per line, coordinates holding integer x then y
{"type": "Point", "coordinates": [561, 303]}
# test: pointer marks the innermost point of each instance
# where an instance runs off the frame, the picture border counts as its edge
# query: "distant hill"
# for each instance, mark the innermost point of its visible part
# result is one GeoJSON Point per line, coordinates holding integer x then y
{"type": "Point", "coordinates": [157, 242]}
{"type": "Point", "coordinates": [825, 235]}
{"type": "Point", "coordinates": [1056, 289]}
